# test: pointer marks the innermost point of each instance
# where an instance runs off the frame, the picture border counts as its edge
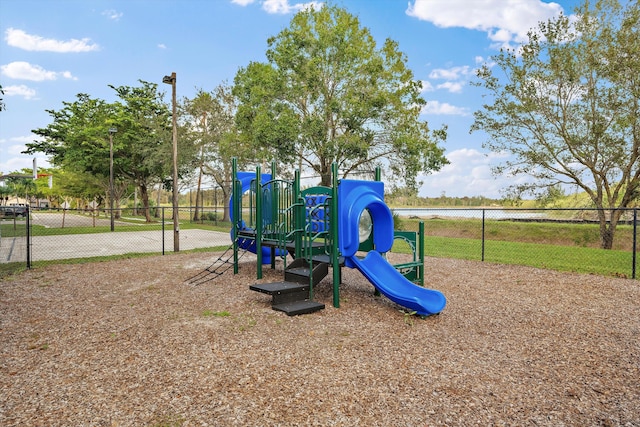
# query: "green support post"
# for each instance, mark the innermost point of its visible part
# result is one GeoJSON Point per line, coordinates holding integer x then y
{"type": "Point", "coordinates": [275, 206]}
{"type": "Point", "coordinates": [236, 211]}
{"type": "Point", "coordinates": [298, 214]}
{"type": "Point", "coordinates": [335, 256]}
{"type": "Point", "coordinates": [258, 195]}
{"type": "Point", "coordinates": [421, 252]}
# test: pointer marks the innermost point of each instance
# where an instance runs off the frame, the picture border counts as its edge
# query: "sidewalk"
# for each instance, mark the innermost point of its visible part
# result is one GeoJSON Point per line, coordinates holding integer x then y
{"type": "Point", "coordinates": [106, 244]}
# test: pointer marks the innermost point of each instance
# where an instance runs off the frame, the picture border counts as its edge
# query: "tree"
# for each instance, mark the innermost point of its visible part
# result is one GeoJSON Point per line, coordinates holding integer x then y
{"type": "Point", "coordinates": [328, 94]}
{"type": "Point", "coordinates": [78, 138]}
{"type": "Point", "coordinates": [77, 142]}
{"type": "Point", "coordinates": [210, 124]}
{"type": "Point", "coordinates": [144, 138]}
{"type": "Point", "coordinates": [2, 106]}
{"type": "Point", "coordinates": [568, 110]}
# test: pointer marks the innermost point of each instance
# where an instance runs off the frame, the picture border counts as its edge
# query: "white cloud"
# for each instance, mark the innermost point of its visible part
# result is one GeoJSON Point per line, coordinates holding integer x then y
{"type": "Point", "coordinates": [21, 70]}
{"type": "Point", "coordinates": [22, 40]}
{"type": "Point", "coordinates": [453, 73]}
{"type": "Point", "coordinates": [467, 174]}
{"type": "Point", "coordinates": [456, 77]}
{"type": "Point", "coordinates": [504, 21]}
{"type": "Point", "coordinates": [453, 87]}
{"type": "Point", "coordinates": [281, 6]}
{"type": "Point", "coordinates": [443, 108]}
{"type": "Point", "coordinates": [12, 159]}
{"type": "Point", "coordinates": [20, 90]}
{"type": "Point", "coordinates": [162, 46]}
{"type": "Point", "coordinates": [114, 15]}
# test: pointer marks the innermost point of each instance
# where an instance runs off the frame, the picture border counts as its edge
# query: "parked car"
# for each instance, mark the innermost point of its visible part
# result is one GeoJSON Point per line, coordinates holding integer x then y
{"type": "Point", "coordinates": [13, 211]}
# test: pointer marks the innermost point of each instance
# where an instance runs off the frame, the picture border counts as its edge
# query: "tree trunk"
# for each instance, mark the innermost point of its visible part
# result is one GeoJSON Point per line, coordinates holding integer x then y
{"type": "Point", "coordinates": [196, 215]}
{"type": "Point", "coordinates": [226, 191]}
{"type": "Point", "coordinates": [144, 194]}
{"type": "Point", "coordinates": [608, 228]}
{"type": "Point", "coordinates": [325, 173]}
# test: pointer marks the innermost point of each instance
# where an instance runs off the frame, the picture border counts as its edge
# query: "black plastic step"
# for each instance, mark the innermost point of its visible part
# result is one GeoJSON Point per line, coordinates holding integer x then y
{"type": "Point", "coordinates": [299, 307]}
{"type": "Point", "coordinates": [283, 292]}
{"type": "Point", "coordinates": [299, 271]}
{"type": "Point", "coordinates": [276, 288]}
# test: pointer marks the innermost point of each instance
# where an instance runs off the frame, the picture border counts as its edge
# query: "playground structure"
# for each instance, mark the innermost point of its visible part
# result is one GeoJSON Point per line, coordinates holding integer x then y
{"type": "Point", "coordinates": [347, 224]}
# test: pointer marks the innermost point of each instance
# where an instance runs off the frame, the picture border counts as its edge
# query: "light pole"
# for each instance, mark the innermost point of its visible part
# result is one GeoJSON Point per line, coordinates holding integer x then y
{"type": "Point", "coordinates": [176, 223]}
{"type": "Point", "coordinates": [112, 130]}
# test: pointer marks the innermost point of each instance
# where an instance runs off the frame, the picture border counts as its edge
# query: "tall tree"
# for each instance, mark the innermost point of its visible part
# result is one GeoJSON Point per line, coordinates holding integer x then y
{"type": "Point", "coordinates": [210, 124]}
{"type": "Point", "coordinates": [566, 105]}
{"type": "Point", "coordinates": [329, 94]}
{"type": "Point", "coordinates": [145, 138]}
{"type": "Point", "coordinates": [78, 138]}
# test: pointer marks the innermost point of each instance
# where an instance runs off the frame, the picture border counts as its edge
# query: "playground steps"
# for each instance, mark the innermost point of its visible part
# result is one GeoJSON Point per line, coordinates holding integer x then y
{"type": "Point", "coordinates": [292, 295]}
{"type": "Point", "coordinates": [289, 297]}
{"type": "Point", "coordinates": [299, 271]}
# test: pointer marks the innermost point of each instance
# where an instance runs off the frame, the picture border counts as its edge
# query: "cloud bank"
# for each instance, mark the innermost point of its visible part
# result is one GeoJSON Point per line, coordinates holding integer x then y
{"type": "Point", "coordinates": [506, 22]}
{"type": "Point", "coordinates": [22, 40]}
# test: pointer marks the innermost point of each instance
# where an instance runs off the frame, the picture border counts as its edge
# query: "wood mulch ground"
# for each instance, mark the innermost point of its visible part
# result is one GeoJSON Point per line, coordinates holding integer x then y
{"type": "Point", "coordinates": [129, 343]}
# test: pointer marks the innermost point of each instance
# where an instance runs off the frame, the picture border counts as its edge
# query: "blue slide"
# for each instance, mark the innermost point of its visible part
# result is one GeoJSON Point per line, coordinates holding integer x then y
{"type": "Point", "coordinates": [392, 284]}
{"type": "Point", "coordinates": [353, 198]}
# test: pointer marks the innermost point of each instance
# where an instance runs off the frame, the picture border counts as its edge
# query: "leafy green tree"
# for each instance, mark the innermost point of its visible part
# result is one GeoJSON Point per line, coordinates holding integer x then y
{"type": "Point", "coordinates": [210, 123]}
{"type": "Point", "coordinates": [20, 185]}
{"type": "Point", "coordinates": [78, 139]}
{"type": "Point", "coordinates": [77, 142]}
{"type": "Point", "coordinates": [144, 138]}
{"type": "Point", "coordinates": [329, 94]}
{"type": "Point", "coordinates": [566, 105]}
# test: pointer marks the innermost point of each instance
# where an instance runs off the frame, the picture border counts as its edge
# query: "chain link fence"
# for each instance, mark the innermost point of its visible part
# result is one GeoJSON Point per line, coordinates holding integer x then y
{"type": "Point", "coordinates": [561, 239]}
{"type": "Point", "coordinates": [52, 235]}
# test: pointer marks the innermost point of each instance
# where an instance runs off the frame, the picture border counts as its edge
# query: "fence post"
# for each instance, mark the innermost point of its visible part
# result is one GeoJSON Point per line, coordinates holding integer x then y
{"type": "Point", "coordinates": [28, 235]}
{"type": "Point", "coordinates": [633, 257]}
{"type": "Point", "coordinates": [483, 210]}
{"type": "Point", "coordinates": [163, 230]}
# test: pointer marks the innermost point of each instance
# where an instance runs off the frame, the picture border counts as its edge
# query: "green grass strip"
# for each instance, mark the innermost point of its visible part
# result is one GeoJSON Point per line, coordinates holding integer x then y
{"type": "Point", "coordinates": [562, 258]}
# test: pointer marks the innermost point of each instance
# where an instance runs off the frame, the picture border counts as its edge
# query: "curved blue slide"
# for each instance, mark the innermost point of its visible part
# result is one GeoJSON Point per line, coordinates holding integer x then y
{"type": "Point", "coordinates": [392, 284]}
{"type": "Point", "coordinates": [353, 198]}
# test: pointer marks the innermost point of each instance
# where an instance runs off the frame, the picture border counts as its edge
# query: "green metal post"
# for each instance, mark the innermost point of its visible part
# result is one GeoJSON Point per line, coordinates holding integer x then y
{"type": "Point", "coordinates": [298, 215]}
{"type": "Point", "coordinates": [335, 261]}
{"type": "Point", "coordinates": [378, 174]}
{"type": "Point", "coordinates": [275, 207]}
{"type": "Point", "coordinates": [421, 252]}
{"type": "Point", "coordinates": [258, 190]}
{"type": "Point", "coordinates": [235, 201]}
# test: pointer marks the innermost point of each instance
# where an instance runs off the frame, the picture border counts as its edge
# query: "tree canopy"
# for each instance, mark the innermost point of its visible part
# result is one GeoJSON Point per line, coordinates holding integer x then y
{"type": "Point", "coordinates": [78, 138]}
{"type": "Point", "coordinates": [329, 94]}
{"type": "Point", "coordinates": [209, 123]}
{"type": "Point", "coordinates": [566, 106]}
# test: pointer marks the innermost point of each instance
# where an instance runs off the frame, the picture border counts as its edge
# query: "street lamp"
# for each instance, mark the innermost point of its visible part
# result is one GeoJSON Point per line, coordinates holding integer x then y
{"type": "Point", "coordinates": [112, 130]}
{"type": "Point", "coordinates": [176, 223]}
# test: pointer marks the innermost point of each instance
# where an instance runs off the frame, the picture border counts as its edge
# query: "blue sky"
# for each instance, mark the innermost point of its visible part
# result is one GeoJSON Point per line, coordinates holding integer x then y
{"type": "Point", "coordinates": [51, 50]}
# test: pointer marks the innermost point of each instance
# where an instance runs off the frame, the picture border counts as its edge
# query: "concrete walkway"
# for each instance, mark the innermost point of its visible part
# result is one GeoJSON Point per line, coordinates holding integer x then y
{"type": "Point", "coordinates": [13, 249]}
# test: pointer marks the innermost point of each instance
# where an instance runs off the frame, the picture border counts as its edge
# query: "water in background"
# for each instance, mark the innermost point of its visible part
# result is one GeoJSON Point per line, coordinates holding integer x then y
{"type": "Point", "coordinates": [467, 213]}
